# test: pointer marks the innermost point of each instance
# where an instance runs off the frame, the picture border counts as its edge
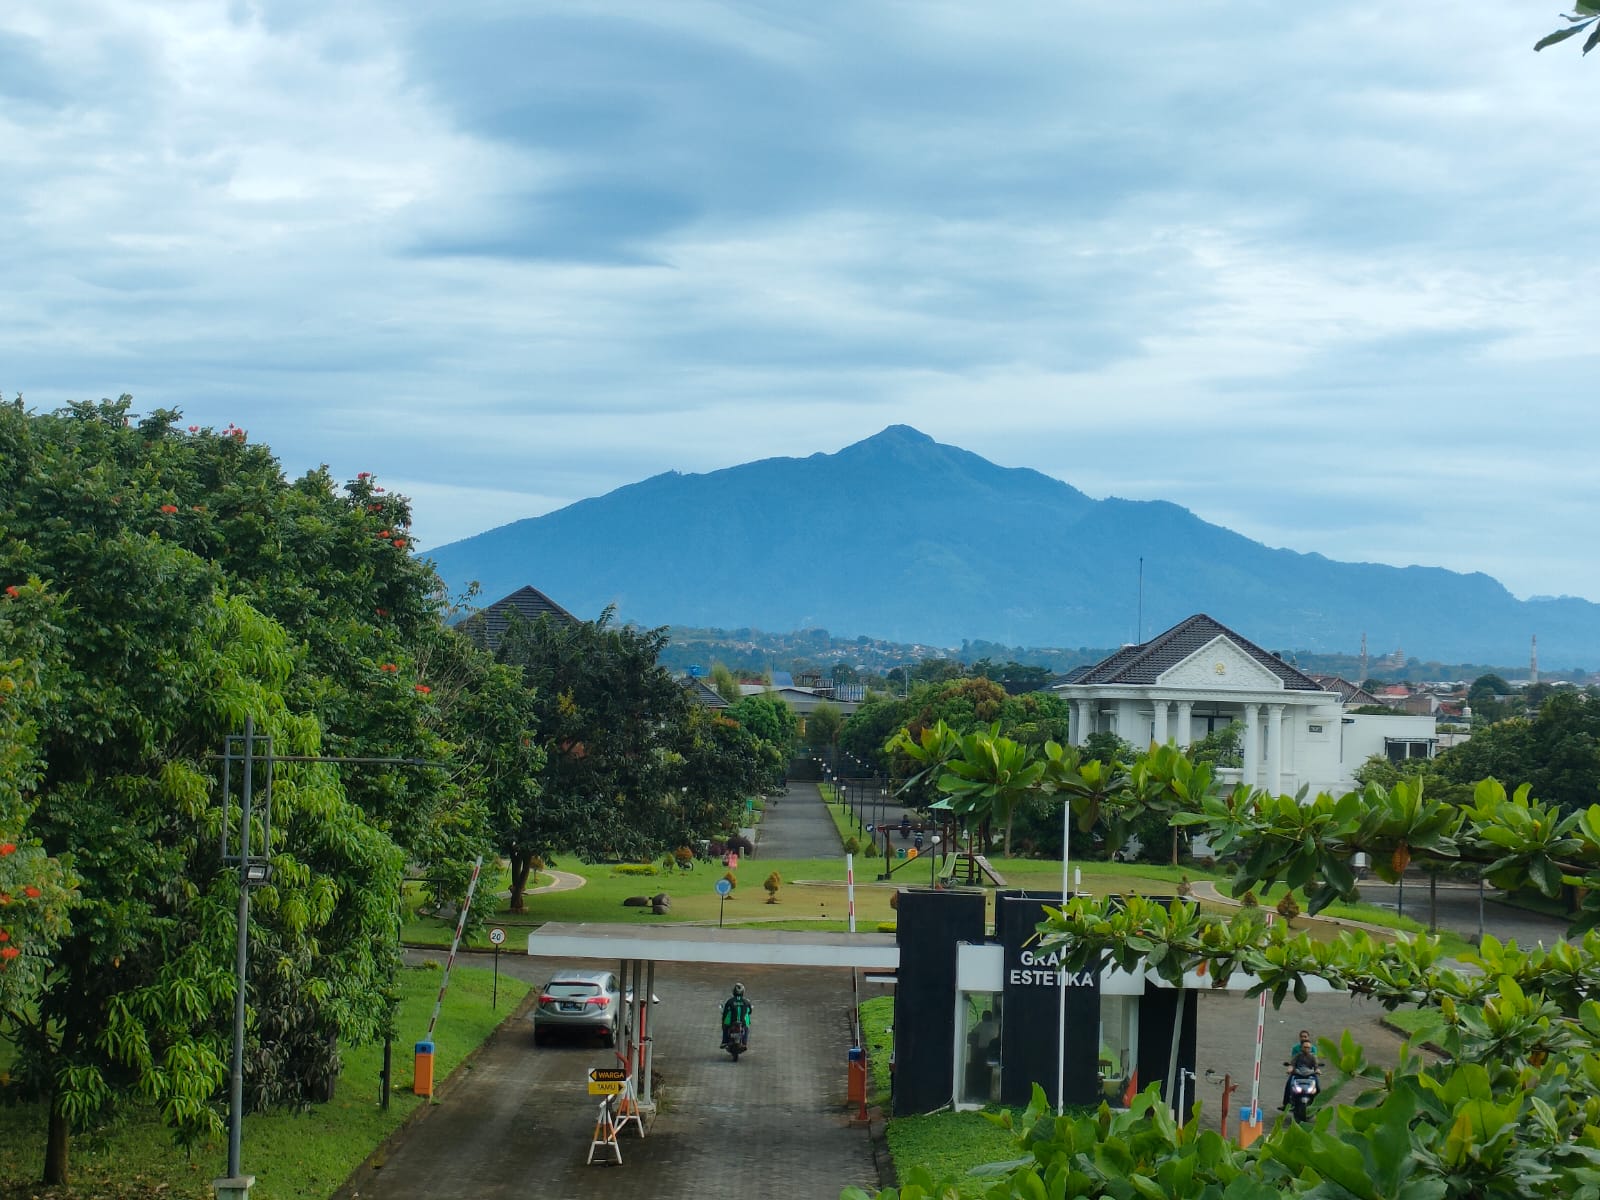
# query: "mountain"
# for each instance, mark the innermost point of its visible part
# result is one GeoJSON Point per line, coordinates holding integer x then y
{"type": "Point", "coordinates": [905, 538]}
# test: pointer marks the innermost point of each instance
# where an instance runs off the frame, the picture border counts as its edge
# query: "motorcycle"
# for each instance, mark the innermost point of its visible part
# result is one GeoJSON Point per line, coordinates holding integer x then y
{"type": "Point", "coordinates": [1304, 1085]}
{"type": "Point", "coordinates": [736, 1039]}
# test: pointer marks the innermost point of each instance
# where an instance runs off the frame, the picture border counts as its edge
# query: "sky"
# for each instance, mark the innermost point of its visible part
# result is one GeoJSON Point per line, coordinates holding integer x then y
{"type": "Point", "coordinates": [1323, 274]}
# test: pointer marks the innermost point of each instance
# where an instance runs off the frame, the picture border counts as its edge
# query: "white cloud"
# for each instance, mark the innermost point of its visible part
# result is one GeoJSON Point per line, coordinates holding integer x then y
{"type": "Point", "coordinates": [1316, 273]}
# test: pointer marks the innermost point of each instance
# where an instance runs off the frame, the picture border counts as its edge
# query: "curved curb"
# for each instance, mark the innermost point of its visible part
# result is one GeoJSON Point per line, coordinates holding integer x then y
{"type": "Point", "coordinates": [563, 881]}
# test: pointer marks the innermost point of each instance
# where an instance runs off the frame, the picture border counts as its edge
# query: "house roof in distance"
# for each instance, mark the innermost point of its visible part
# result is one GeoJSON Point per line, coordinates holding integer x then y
{"type": "Point", "coordinates": [1146, 662]}
{"type": "Point", "coordinates": [488, 625]}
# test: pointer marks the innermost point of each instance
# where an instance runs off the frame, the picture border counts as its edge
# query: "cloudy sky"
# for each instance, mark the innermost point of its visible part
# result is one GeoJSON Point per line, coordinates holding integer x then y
{"type": "Point", "coordinates": [1325, 274]}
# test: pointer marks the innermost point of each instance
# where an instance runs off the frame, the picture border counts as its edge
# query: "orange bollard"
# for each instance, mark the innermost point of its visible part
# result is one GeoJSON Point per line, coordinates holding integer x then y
{"type": "Point", "coordinates": [856, 1086]}
{"type": "Point", "coordinates": [422, 1070]}
{"type": "Point", "coordinates": [1250, 1126]}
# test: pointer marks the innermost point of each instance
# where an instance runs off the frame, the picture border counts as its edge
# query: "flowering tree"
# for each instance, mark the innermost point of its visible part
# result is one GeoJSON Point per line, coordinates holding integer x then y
{"type": "Point", "coordinates": [158, 570]}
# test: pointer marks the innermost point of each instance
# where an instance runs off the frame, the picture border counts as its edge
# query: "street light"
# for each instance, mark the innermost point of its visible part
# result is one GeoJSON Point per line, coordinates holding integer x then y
{"type": "Point", "coordinates": [255, 870]}
{"type": "Point", "coordinates": [933, 859]}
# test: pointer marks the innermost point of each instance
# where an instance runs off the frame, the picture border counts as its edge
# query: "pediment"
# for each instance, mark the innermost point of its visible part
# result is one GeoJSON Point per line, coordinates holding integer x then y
{"type": "Point", "coordinates": [1220, 666]}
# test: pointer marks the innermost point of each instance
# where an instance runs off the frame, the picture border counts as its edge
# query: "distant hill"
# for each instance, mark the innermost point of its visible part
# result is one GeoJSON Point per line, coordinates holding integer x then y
{"type": "Point", "coordinates": [903, 538]}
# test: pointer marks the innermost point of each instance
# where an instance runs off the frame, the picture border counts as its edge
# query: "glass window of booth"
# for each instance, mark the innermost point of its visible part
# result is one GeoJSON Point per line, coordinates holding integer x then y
{"type": "Point", "coordinates": [1119, 1048]}
{"type": "Point", "coordinates": [980, 1048]}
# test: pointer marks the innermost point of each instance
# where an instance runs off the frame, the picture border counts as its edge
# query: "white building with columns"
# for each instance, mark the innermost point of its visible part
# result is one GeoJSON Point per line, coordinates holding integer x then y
{"type": "Point", "coordinates": [1200, 676]}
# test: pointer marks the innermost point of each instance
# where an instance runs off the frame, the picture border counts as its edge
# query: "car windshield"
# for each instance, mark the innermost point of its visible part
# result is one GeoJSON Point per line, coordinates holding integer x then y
{"type": "Point", "coordinates": [572, 991]}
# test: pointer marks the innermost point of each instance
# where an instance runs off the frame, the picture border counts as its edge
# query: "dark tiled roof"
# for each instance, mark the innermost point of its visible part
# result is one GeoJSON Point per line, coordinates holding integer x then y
{"type": "Point", "coordinates": [703, 694]}
{"type": "Point", "coordinates": [1350, 693]}
{"type": "Point", "coordinates": [488, 625]}
{"type": "Point", "coordinates": [1144, 664]}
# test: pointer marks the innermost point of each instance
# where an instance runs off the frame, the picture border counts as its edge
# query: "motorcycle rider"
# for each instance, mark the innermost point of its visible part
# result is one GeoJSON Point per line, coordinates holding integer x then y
{"type": "Point", "coordinates": [736, 1011]}
{"type": "Point", "coordinates": [1294, 1052]}
{"type": "Point", "coordinates": [1304, 1065]}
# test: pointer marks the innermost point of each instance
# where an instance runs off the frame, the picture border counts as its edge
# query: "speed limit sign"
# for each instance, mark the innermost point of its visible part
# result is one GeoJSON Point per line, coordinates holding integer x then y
{"type": "Point", "coordinates": [496, 936]}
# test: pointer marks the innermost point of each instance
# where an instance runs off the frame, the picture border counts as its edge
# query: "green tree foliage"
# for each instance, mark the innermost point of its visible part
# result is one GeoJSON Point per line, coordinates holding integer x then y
{"type": "Point", "coordinates": [1557, 751]}
{"type": "Point", "coordinates": [774, 724]}
{"type": "Point", "coordinates": [175, 561]}
{"type": "Point", "coordinates": [822, 727]}
{"type": "Point", "coordinates": [611, 724]}
{"type": "Point", "coordinates": [725, 684]}
{"type": "Point", "coordinates": [1585, 17]}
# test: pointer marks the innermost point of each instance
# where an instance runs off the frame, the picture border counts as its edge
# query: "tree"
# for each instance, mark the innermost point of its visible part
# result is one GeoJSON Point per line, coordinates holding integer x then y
{"type": "Point", "coordinates": [823, 726]}
{"type": "Point", "coordinates": [607, 717]}
{"type": "Point", "coordinates": [1585, 16]}
{"type": "Point", "coordinates": [725, 684]}
{"type": "Point", "coordinates": [163, 544]}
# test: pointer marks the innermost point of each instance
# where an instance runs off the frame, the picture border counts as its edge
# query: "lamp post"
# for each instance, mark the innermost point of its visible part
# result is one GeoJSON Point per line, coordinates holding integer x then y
{"type": "Point", "coordinates": [1061, 971]}
{"type": "Point", "coordinates": [933, 859]}
{"type": "Point", "coordinates": [255, 870]}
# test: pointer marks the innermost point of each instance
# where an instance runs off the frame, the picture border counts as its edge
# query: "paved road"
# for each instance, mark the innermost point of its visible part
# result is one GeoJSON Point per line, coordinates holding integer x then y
{"type": "Point", "coordinates": [1458, 911]}
{"type": "Point", "coordinates": [798, 826]}
{"type": "Point", "coordinates": [775, 1123]}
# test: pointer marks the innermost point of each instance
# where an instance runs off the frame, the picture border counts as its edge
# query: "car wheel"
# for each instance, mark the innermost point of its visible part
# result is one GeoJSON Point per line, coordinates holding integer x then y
{"type": "Point", "coordinates": [610, 1033]}
{"type": "Point", "coordinates": [538, 1036]}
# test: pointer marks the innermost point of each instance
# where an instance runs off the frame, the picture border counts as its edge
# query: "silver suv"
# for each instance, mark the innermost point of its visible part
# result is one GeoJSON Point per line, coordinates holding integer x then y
{"type": "Point", "coordinates": [583, 1001]}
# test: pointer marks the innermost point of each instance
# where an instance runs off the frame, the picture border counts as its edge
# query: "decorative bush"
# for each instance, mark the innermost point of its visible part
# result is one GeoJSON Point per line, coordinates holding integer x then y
{"type": "Point", "coordinates": [1185, 888]}
{"type": "Point", "coordinates": [872, 849]}
{"type": "Point", "coordinates": [851, 845]}
{"type": "Point", "coordinates": [684, 857]}
{"type": "Point", "coordinates": [635, 869]}
{"type": "Point", "coordinates": [1288, 907]}
{"type": "Point", "coordinates": [894, 899]}
{"type": "Point", "coordinates": [733, 881]}
{"type": "Point", "coordinates": [772, 884]}
{"type": "Point", "coordinates": [1249, 900]}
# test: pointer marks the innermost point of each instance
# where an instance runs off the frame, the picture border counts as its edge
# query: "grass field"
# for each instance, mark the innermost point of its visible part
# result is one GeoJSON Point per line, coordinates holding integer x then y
{"type": "Point", "coordinates": [303, 1156]}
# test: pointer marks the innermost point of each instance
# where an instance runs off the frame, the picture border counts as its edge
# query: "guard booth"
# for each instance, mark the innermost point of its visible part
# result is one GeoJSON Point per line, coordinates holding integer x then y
{"type": "Point", "coordinates": [977, 1019]}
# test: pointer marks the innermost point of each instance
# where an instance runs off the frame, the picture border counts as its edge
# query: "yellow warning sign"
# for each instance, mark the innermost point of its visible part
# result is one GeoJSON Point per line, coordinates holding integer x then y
{"type": "Point", "coordinates": [607, 1081]}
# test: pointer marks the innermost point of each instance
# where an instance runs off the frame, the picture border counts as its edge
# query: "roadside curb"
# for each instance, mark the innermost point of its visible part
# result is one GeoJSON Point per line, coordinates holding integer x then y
{"type": "Point", "coordinates": [882, 1160]}
{"type": "Point", "coordinates": [351, 1187]}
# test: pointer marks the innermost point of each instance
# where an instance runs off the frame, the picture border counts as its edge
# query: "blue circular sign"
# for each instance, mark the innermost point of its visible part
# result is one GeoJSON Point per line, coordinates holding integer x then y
{"type": "Point", "coordinates": [723, 887]}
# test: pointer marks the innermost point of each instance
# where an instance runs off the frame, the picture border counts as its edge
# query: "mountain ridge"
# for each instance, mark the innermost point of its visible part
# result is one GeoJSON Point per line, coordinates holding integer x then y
{"type": "Point", "coordinates": [902, 537]}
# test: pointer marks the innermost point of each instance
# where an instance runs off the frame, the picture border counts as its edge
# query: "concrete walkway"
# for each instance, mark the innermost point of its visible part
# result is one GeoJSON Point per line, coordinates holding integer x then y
{"type": "Point", "coordinates": [798, 826]}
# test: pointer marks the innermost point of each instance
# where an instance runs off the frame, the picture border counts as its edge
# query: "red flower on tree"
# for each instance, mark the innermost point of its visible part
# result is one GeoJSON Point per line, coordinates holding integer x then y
{"type": "Point", "coordinates": [12, 591]}
{"type": "Point", "coordinates": [400, 543]}
{"type": "Point", "coordinates": [31, 892]}
{"type": "Point", "coordinates": [7, 848]}
{"type": "Point", "coordinates": [390, 667]}
{"type": "Point", "coordinates": [424, 689]}
{"type": "Point", "coordinates": [169, 508]}
{"type": "Point", "coordinates": [9, 953]}
{"type": "Point", "coordinates": [383, 533]}
{"type": "Point", "coordinates": [4, 936]}
{"type": "Point", "coordinates": [194, 429]}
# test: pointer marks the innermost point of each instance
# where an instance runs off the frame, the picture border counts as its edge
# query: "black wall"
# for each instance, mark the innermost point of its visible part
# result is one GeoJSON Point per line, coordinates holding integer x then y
{"type": "Point", "coordinates": [929, 925]}
{"type": "Point", "coordinates": [1156, 1013]}
{"type": "Point", "coordinates": [1030, 1023]}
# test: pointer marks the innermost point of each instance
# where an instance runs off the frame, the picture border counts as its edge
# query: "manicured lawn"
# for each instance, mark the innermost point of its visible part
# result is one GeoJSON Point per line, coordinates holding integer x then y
{"type": "Point", "coordinates": [951, 1143]}
{"type": "Point", "coordinates": [306, 1155]}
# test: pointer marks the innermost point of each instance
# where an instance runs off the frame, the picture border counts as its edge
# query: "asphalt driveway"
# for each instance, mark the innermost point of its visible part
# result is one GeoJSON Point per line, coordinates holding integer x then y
{"type": "Point", "coordinates": [775, 1123]}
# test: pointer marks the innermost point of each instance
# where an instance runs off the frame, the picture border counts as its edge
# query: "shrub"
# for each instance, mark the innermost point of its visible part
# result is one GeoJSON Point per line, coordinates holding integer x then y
{"type": "Point", "coordinates": [887, 926]}
{"type": "Point", "coordinates": [1288, 907]}
{"type": "Point", "coordinates": [1185, 888]}
{"type": "Point", "coordinates": [772, 884]}
{"type": "Point", "coordinates": [872, 849]}
{"type": "Point", "coordinates": [852, 846]}
{"type": "Point", "coordinates": [733, 881]}
{"type": "Point", "coordinates": [1249, 900]}
{"type": "Point", "coordinates": [684, 857]}
{"type": "Point", "coordinates": [635, 869]}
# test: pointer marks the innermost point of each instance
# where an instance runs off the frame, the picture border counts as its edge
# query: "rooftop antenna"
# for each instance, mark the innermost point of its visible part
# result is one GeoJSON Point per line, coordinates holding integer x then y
{"type": "Point", "coordinates": [1533, 665]}
{"type": "Point", "coordinates": [1363, 680]}
{"type": "Point", "coordinates": [1138, 633]}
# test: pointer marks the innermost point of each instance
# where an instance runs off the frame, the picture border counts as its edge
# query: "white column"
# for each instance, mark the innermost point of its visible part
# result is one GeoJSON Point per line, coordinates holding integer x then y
{"type": "Point", "coordinates": [1252, 746]}
{"type": "Point", "coordinates": [1275, 748]}
{"type": "Point", "coordinates": [1160, 735]}
{"type": "Point", "coordinates": [1185, 722]}
{"type": "Point", "coordinates": [1129, 722]}
{"type": "Point", "coordinates": [1086, 718]}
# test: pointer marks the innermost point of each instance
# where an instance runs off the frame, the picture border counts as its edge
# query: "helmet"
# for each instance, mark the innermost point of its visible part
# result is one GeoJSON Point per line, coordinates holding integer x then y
{"type": "Point", "coordinates": [738, 989]}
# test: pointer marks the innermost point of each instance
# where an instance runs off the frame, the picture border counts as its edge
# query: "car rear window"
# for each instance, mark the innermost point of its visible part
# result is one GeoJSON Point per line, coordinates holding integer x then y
{"type": "Point", "coordinates": [572, 990]}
